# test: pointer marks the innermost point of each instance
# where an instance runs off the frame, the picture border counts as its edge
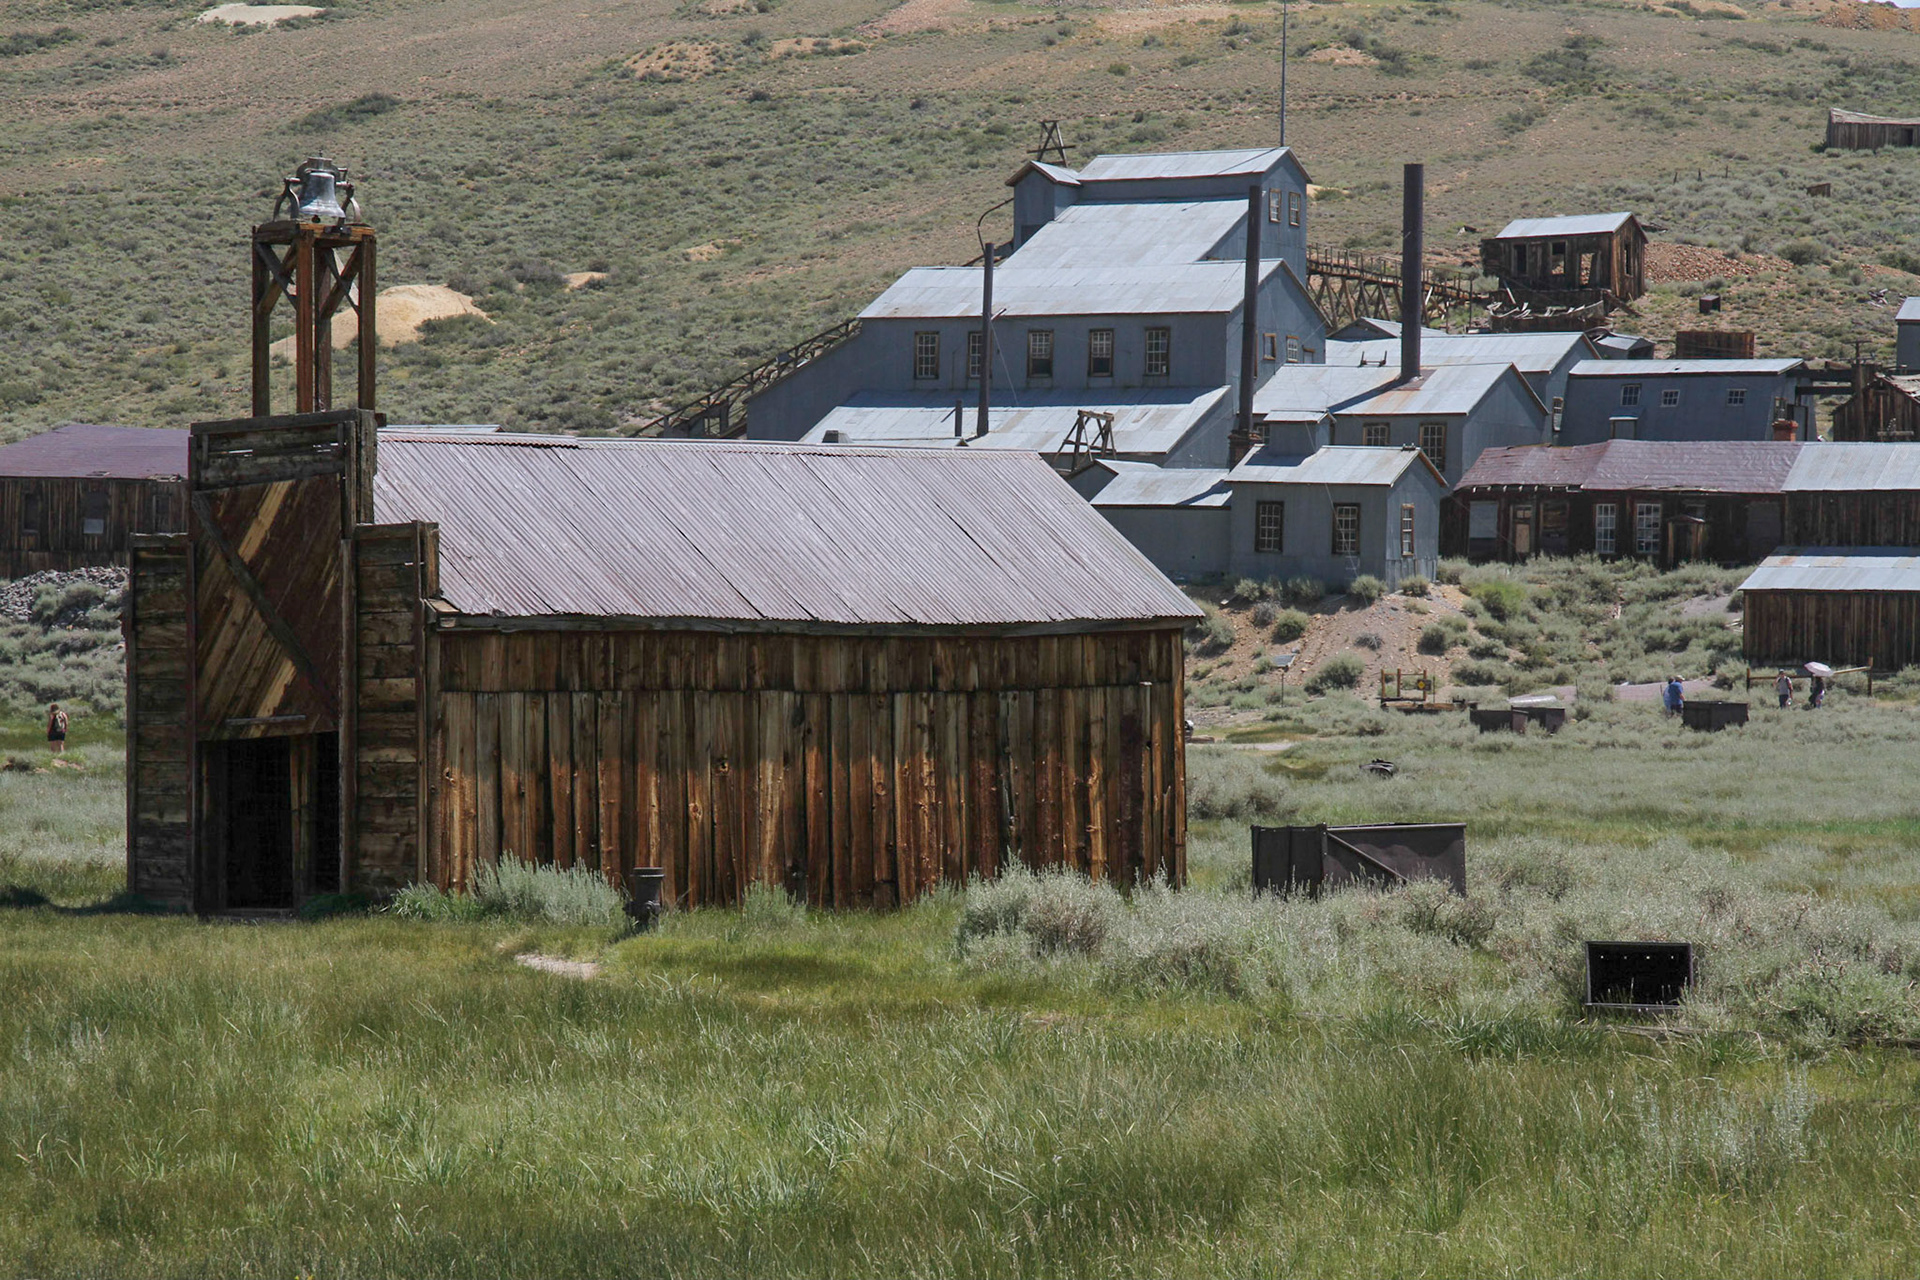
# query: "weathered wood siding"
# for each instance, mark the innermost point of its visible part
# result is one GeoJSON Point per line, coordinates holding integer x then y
{"type": "Point", "coordinates": [159, 740]}
{"type": "Point", "coordinates": [392, 564]}
{"type": "Point", "coordinates": [43, 520]}
{"type": "Point", "coordinates": [1865, 519]}
{"type": "Point", "coordinates": [1871, 135]}
{"type": "Point", "coordinates": [858, 771]}
{"type": "Point", "coordinates": [1880, 412]}
{"type": "Point", "coordinates": [1591, 266]}
{"type": "Point", "coordinates": [1880, 629]}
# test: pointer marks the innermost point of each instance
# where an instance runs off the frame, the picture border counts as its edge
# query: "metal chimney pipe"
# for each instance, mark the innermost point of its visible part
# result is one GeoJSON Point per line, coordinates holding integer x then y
{"type": "Point", "coordinates": [1249, 324]}
{"type": "Point", "coordinates": [1412, 250]}
{"type": "Point", "coordinates": [986, 340]}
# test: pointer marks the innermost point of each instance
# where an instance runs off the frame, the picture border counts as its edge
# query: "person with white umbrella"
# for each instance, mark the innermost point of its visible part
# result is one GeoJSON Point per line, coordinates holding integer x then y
{"type": "Point", "coordinates": [1817, 693]}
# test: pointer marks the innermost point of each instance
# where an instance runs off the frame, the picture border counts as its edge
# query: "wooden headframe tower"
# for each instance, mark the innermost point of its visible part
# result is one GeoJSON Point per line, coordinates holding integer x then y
{"type": "Point", "coordinates": [243, 633]}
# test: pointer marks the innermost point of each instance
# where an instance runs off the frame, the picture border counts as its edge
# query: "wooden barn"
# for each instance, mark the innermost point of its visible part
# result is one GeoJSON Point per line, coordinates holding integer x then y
{"type": "Point", "coordinates": [1844, 606]}
{"type": "Point", "coordinates": [1663, 500]}
{"type": "Point", "coordinates": [1858, 131]}
{"type": "Point", "coordinates": [1854, 495]}
{"type": "Point", "coordinates": [388, 657]}
{"type": "Point", "coordinates": [72, 497]}
{"type": "Point", "coordinates": [1885, 409]}
{"type": "Point", "coordinates": [1598, 257]}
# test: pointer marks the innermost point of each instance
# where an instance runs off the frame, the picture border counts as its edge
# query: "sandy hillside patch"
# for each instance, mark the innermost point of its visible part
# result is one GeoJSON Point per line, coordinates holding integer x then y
{"type": "Point", "coordinates": [585, 279]}
{"type": "Point", "coordinates": [676, 60]}
{"type": "Point", "coordinates": [1149, 17]}
{"type": "Point", "coordinates": [1696, 263]}
{"type": "Point", "coordinates": [398, 314]}
{"type": "Point", "coordinates": [711, 249]}
{"type": "Point", "coordinates": [581, 969]}
{"type": "Point", "coordinates": [916, 15]}
{"type": "Point", "coordinates": [813, 46]}
{"type": "Point", "coordinates": [258, 15]}
{"type": "Point", "coordinates": [1340, 55]}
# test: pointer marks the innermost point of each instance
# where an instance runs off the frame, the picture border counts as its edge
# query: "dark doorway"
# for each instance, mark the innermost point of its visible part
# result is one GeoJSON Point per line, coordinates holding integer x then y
{"type": "Point", "coordinates": [257, 788]}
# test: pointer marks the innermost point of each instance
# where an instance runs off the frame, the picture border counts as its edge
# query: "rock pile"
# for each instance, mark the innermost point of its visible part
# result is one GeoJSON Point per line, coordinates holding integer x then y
{"type": "Point", "coordinates": [17, 597]}
{"type": "Point", "coordinates": [1698, 264]}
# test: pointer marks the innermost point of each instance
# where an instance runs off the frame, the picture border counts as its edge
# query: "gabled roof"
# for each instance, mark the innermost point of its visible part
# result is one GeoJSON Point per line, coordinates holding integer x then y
{"type": "Point", "coordinates": [1643, 466]}
{"type": "Point", "coordinates": [1146, 422]}
{"type": "Point", "coordinates": [1839, 116]}
{"type": "Point", "coordinates": [1579, 224]}
{"type": "Point", "coordinates": [1141, 484]}
{"type": "Point", "coordinates": [1671, 368]}
{"type": "Point", "coordinates": [1249, 162]}
{"type": "Point", "coordinates": [738, 536]}
{"type": "Point", "coordinates": [1174, 289]}
{"type": "Point", "coordinates": [89, 450]}
{"type": "Point", "coordinates": [1144, 233]}
{"type": "Point", "coordinates": [1339, 465]}
{"type": "Point", "coordinates": [1909, 310]}
{"type": "Point", "coordinates": [1837, 569]}
{"type": "Point", "coordinates": [1855, 467]}
{"type": "Point", "coordinates": [1297, 391]}
{"type": "Point", "coordinates": [1527, 352]}
{"type": "Point", "coordinates": [1055, 172]}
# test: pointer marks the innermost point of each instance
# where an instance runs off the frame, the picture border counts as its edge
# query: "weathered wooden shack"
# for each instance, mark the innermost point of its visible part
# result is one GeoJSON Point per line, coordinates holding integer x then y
{"type": "Point", "coordinates": [72, 497]}
{"type": "Point", "coordinates": [852, 673]}
{"type": "Point", "coordinates": [1844, 606]}
{"type": "Point", "coordinates": [1886, 408]}
{"type": "Point", "coordinates": [1571, 261]}
{"type": "Point", "coordinates": [1854, 495]}
{"type": "Point", "coordinates": [1858, 131]}
{"type": "Point", "coordinates": [1666, 501]}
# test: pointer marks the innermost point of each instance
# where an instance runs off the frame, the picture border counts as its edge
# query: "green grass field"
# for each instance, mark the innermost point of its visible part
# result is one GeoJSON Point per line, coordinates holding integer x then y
{"type": "Point", "coordinates": [1028, 1078]}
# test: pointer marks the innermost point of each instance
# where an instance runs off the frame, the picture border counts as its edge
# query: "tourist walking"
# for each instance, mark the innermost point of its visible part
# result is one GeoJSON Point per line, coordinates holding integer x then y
{"type": "Point", "coordinates": [57, 729]}
{"type": "Point", "coordinates": [1784, 687]}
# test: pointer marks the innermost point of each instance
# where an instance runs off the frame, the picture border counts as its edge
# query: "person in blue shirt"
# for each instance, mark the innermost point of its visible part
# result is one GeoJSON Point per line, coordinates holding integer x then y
{"type": "Point", "coordinates": [1674, 697]}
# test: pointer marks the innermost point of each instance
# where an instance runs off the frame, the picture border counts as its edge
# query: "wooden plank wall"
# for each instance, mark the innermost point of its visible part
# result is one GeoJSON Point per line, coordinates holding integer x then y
{"type": "Point", "coordinates": [1880, 412]}
{"type": "Point", "coordinates": [1880, 629]}
{"type": "Point", "coordinates": [1867, 519]}
{"type": "Point", "coordinates": [159, 739]}
{"type": "Point", "coordinates": [858, 771]}
{"type": "Point", "coordinates": [133, 507]}
{"type": "Point", "coordinates": [384, 822]}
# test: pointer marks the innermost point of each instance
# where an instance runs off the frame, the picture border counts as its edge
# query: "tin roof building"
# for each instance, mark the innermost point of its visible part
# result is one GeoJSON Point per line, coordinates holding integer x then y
{"type": "Point", "coordinates": [73, 496]}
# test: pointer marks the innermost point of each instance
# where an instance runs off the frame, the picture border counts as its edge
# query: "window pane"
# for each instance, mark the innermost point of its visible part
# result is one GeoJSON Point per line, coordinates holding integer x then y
{"type": "Point", "coordinates": [1346, 529]}
{"type": "Point", "coordinates": [1293, 208]}
{"type": "Point", "coordinates": [1100, 353]}
{"type": "Point", "coordinates": [1040, 353]}
{"type": "Point", "coordinates": [1736, 395]}
{"type": "Point", "coordinates": [1406, 529]}
{"type": "Point", "coordinates": [1669, 398]}
{"type": "Point", "coordinates": [1630, 393]}
{"type": "Point", "coordinates": [1433, 443]}
{"type": "Point", "coordinates": [1159, 352]}
{"type": "Point", "coordinates": [926, 355]}
{"type": "Point", "coordinates": [1374, 435]}
{"type": "Point", "coordinates": [1270, 346]}
{"type": "Point", "coordinates": [1293, 349]}
{"type": "Point", "coordinates": [1269, 525]}
{"type": "Point", "coordinates": [976, 344]}
{"type": "Point", "coordinates": [1646, 528]}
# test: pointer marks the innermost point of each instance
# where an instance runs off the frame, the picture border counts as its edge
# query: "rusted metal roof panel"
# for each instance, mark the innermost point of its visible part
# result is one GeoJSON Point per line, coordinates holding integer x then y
{"type": "Point", "coordinates": [1856, 467]}
{"type": "Point", "coordinates": [1838, 569]}
{"type": "Point", "coordinates": [89, 450]}
{"type": "Point", "coordinates": [757, 535]}
{"type": "Point", "coordinates": [1579, 224]}
{"type": "Point", "coordinates": [1642, 466]}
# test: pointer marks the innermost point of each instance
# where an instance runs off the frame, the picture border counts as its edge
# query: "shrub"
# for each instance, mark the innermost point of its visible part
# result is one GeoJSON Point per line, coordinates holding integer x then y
{"type": "Point", "coordinates": [1054, 912]}
{"type": "Point", "coordinates": [1415, 586]}
{"type": "Point", "coordinates": [1481, 673]}
{"type": "Point", "coordinates": [1211, 633]}
{"type": "Point", "coordinates": [1226, 783]}
{"type": "Point", "coordinates": [1804, 253]}
{"type": "Point", "coordinates": [514, 889]}
{"type": "Point", "coordinates": [1502, 597]}
{"type": "Point", "coordinates": [1306, 590]}
{"type": "Point", "coordinates": [1340, 672]}
{"type": "Point", "coordinates": [1289, 625]}
{"type": "Point", "coordinates": [1436, 639]}
{"type": "Point", "coordinates": [1366, 587]}
{"type": "Point", "coordinates": [1368, 640]}
{"type": "Point", "coordinates": [1487, 647]}
{"type": "Point", "coordinates": [1264, 614]}
{"type": "Point", "coordinates": [1450, 571]}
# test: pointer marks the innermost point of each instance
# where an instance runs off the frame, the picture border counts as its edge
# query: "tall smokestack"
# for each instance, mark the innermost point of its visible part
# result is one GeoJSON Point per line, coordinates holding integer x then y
{"type": "Point", "coordinates": [1412, 249]}
{"type": "Point", "coordinates": [986, 339]}
{"type": "Point", "coordinates": [1249, 329]}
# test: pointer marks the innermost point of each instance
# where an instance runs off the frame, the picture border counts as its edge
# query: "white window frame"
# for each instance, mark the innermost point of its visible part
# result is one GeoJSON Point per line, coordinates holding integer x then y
{"type": "Point", "coordinates": [926, 356]}
{"type": "Point", "coordinates": [1736, 397]}
{"type": "Point", "coordinates": [1376, 435]}
{"type": "Point", "coordinates": [1606, 528]}
{"type": "Point", "coordinates": [1630, 393]}
{"type": "Point", "coordinates": [1295, 351]}
{"type": "Point", "coordinates": [1670, 397]}
{"type": "Point", "coordinates": [1275, 198]}
{"type": "Point", "coordinates": [1406, 531]}
{"type": "Point", "coordinates": [1097, 339]}
{"type": "Point", "coordinates": [1646, 528]}
{"type": "Point", "coordinates": [1270, 528]}
{"type": "Point", "coordinates": [1346, 529]}
{"type": "Point", "coordinates": [1040, 353]}
{"type": "Point", "coordinates": [1158, 361]}
{"type": "Point", "coordinates": [1293, 208]}
{"type": "Point", "coordinates": [976, 353]}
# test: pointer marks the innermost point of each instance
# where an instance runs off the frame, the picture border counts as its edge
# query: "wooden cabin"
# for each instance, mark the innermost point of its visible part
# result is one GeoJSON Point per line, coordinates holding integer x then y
{"type": "Point", "coordinates": [1667, 501]}
{"type": "Point", "coordinates": [1844, 606]}
{"type": "Point", "coordinates": [72, 497]}
{"type": "Point", "coordinates": [1885, 408]}
{"type": "Point", "coordinates": [1858, 131]}
{"type": "Point", "coordinates": [1573, 261]}
{"type": "Point", "coordinates": [1854, 495]}
{"type": "Point", "coordinates": [853, 673]}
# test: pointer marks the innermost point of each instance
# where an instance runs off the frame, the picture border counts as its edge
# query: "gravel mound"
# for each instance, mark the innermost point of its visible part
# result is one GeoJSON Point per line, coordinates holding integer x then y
{"type": "Point", "coordinates": [17, 597]}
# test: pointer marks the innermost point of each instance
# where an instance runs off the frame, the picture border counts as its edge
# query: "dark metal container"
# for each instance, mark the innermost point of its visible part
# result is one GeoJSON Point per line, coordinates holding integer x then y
{"type": "Point", "coordinates": [1490, 719]}
{"type": "Point", "coordinates": [1712, 716]}
{"type": "Point", "coordinates": [643, 895]}
{"type": "Point", "coordinates": [1309, 859]}
{"type": "Point", "coordinates": [1643, 976]}
{"type": "Point", "coordinates": [1550, 719]}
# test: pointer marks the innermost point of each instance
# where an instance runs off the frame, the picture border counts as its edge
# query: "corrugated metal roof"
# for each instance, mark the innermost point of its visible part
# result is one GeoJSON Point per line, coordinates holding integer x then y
{"type": "Point", "coordinates": [1669, 368]}
{"type": "Point", "coordinates": [89, 450]}
{"type": "Point", "coordinates": [733, 534]}
{"type": "Point", "coordinates": [1861, 117]}
{"type": "Point", "coordinates": [1141, 484]}
{"type": "Point", "coordinates": [1148, 421]}
{"type": "Point", "coordinates": [1130, 234]}
{"type": "Point", "coordinates": [1579, 224]}
{"type": "Point", "coordinates": [1447, 389]}
{"type": "Point", "coordinates": [1297, 390]}
{"type": "Point", "coordinates": [1058, 173]}
{"type": "Point", "coordinates": [1182, 164]}
{"type": "Point", "coordinates": [1619, 466]}
{"type": "Point", "coordinates": [1350, 465]}
{"type": "Point", "coordinates": [1171, 289]}
{"type": "Point", "coordinates": [1856, 467]}
{"type": "Point", "coordinates": [1624, 345]}
{"type": "Point", "coordinates": [1527, 352]}
{"type": "Point", "coordinates": [1837, 569]}
{"type": "Point", "coordinates": [1909, 310]}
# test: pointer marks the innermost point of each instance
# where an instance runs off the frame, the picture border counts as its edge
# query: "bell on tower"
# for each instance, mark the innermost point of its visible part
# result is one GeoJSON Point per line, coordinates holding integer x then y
{"type": "Point", "coordinates": [318, 254]}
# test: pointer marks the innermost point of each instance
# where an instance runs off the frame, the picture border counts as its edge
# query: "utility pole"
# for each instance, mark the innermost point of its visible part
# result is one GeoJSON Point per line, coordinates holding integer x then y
{"type": "Point", "coordinates": [1285, 7]}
